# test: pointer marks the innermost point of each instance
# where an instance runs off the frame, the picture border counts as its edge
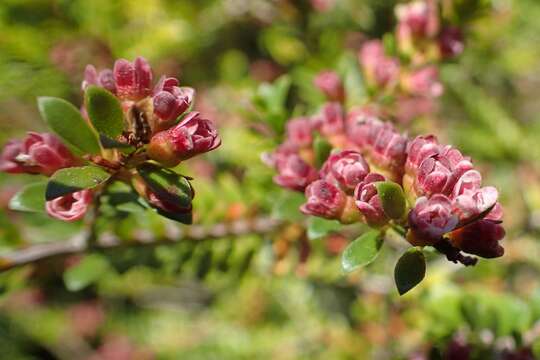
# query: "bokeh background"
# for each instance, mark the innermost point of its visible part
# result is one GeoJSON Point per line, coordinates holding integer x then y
{"type": "Point", "coordinates": [276, 294]}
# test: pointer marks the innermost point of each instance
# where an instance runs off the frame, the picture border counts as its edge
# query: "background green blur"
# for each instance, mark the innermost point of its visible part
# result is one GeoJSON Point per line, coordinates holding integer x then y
{"type": "Point", "coordinates": [251, 297]}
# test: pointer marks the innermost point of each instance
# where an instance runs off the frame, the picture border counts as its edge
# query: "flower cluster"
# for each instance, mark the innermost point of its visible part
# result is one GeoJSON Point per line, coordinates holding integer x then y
{"type": "Point", "coordinates": [443, 189]}
{"type": "Point", "coordinates": [408, 75]}
{"type": "Point", "coordinates": [126, 123]}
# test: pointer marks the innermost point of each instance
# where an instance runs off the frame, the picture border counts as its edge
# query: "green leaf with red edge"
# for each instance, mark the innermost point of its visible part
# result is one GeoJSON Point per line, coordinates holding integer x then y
{"type": "Point", "coordinates": [410, 270]}
{"type": "Point", "coordinates": [67, 122]}
{"type": "Point", "coordinates": [362, 251]}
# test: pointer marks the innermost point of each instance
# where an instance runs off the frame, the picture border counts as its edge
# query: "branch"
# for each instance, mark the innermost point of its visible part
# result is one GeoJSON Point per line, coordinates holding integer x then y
{"type": "Point", "coordinates": [173, 234]}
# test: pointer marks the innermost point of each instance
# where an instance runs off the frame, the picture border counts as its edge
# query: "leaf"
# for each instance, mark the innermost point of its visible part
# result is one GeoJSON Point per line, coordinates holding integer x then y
{"type": "Point", "coordinates": [31, 198]}
{"type": "Point", "coordinates": [410, 270]}
{"type": "Point", "coordinates": [392, 199]}
{"type": "Point", "coordinates": [322, 149]}
{"type": "Point", "coordinates": [67, 122]}
{"type": "Point", "coordinates": [70, 180]}
{"type": "Point", "coordinates": [318, 227]}
{"type": "Point", "coordinates": [88, 271]}
{"type": "Point", "coordinates": [105, 111]}
{"type": "Point", "coordinates": [361, 251]}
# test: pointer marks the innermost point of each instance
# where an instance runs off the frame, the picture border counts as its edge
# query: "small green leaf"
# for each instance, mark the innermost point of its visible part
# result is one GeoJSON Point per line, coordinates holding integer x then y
{"type": "Point", "coordinates": [318, 227]}
{"type": "Point", "coordinates": [322, 149]}
{"type": "Point", "coordinates": [361, 251]}
{"type": "Point", "coordinates": [67, 122]}
{"type": "Point", "coordinates": [393, 199]}
{"type": "Point", "coordinates": [410, 270]}
{"type": "Point", "coordinates": [70, 180]}
{"type": "Point", "coordinates": [105, 111]}
{"type": "Point", "coordinates": [88, 271]}
{"type": "Point", "coordinates": [31, 198]}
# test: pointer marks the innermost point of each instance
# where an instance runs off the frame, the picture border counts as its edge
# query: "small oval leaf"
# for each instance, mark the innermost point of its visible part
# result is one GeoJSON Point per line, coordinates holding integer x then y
{"type": "Point", "coordinates": [410, 270]}
{"type": "Point", "coordinates": [88, 271]}
{"type": "Point", "coordinates": [31, 198]}
{"type": "Point", "coordinates": [67, 122]}
{"type": "Point", "coordinates": [392, 199]}
{"type": "Point", "coordinates": [105, 111]}
{"type": "Point", "coordinates": [70, 180]}
{"type": "Point", "coordinates": [362, 251]}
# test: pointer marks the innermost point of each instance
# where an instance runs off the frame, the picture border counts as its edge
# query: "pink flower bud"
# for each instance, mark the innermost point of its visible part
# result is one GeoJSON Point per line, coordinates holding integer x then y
{"type": "Point", "coordinates": [324, 200]}
{"type": "Point", "coordinates": [70, 207]}
{"type": "Point", "coordinates": [192, 136]}
{"type": "Point", "coordinates": [471, 203]}
{"type": "Point", "coordinates": [380, 71]}
{"type": "Point", "coordinates": [383, 146]}
{"type": "Point", "coordinates": [430, 219]}
{"type": "Point", "coordinates": [105, 78]}
{"type": "Point", "coordinates": [356, 121]}
{"type": "Point", "coordinates": [480, 238]}
{"type": "Point", "coordinates": [294, 173]}
{"type": "Point", "coordinates": [439, 173]}
{"type": "Point", "coordinates": [330, 84]}
{"type": "Point", "coordinates": [424, 82]}
{"type": "Point", "coordinates": [418, 19]}
{"type": "Point", "coordinates": [420, 149]}
{"type": "Point", "coordinates": [368, 201]}
{"type": "Point", "coordinates": [451, 43]}
{"type": "Point", "coordinates": [330, 120]}
{"type": "Point", "coordinates": [169, 105]}
{"type": "Point", "coordinates": [299, 132]}
{"type": "Point", "coordinates": [36, 154]}
{"type": "Point", "coordinates": [345, 169]}
{"type": "Point", "coordinates": [166, 84]}
{"type": "Point", "coordinates": [133, 80]}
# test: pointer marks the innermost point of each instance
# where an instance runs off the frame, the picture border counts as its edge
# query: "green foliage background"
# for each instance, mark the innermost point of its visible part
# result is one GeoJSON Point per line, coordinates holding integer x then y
{"type": "Point", "coordinates": [240, 297]}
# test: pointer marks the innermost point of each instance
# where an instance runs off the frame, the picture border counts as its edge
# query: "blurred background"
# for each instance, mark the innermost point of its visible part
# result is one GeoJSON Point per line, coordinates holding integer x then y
{"type": "Point", "coordinates": [278, 293]}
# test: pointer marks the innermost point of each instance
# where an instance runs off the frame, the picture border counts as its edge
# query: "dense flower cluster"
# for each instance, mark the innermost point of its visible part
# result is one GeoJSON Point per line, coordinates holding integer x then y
{"type": "Point", "coordinates": [158, 125]}
{"type": "Point", "coordinates": [442, 186]}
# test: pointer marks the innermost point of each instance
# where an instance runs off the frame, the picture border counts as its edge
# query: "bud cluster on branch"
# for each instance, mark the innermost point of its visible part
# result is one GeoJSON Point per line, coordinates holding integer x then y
{"type": "Point", "coordinates": [127, 130]}
{"type": "Point", "coordinates": [353, 166]}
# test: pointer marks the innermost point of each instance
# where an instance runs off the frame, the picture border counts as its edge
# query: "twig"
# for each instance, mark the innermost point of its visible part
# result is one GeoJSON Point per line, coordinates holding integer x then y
{"type": "Point", "coordinates": [173, 234]}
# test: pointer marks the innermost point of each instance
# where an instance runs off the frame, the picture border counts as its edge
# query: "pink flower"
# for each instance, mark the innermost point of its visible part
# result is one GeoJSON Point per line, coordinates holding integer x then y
{"type": "Point", "coordinates": [105, 78]}
{"type": "Point", "coordinates": [417, 19]}
{"type": "Point", "coordinates": [294, 173]}
{"type": "Point", "coordinates": [380, 70]}
{"type": "Point", "coordinates": [330, 84]}
{"type": "Point", "coordinates": [192, 136]}
{"type": "Point", "coordinates": [451, 43]}
{"type": "Point", "coordinates": [330, 120]}
{"type": "Point", "coordinates": [368, 201]}
{"type": "Point", "coordinates": [345, 169]}
{"type": "Point", "coordinates": [70, 207]}
{"type": "Point", "coordinates": [439, 173]}
{"type": "Point", "coordinates": [169, 105]}
{"type": "Point", "coordinates": [430, 219]}
{"type": "Point", "coordinates": [299, 132]}
{"type": "Point", "coordinates": [133, 80]}
{"type": "Point", "coordinates": [324, 200]}
{"type": "Point", "coordinates": [420, 149]}
{"type": "Point", "coordinates": [424, 82]}
{"type": "Point", "coordinates": [38, 153]}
